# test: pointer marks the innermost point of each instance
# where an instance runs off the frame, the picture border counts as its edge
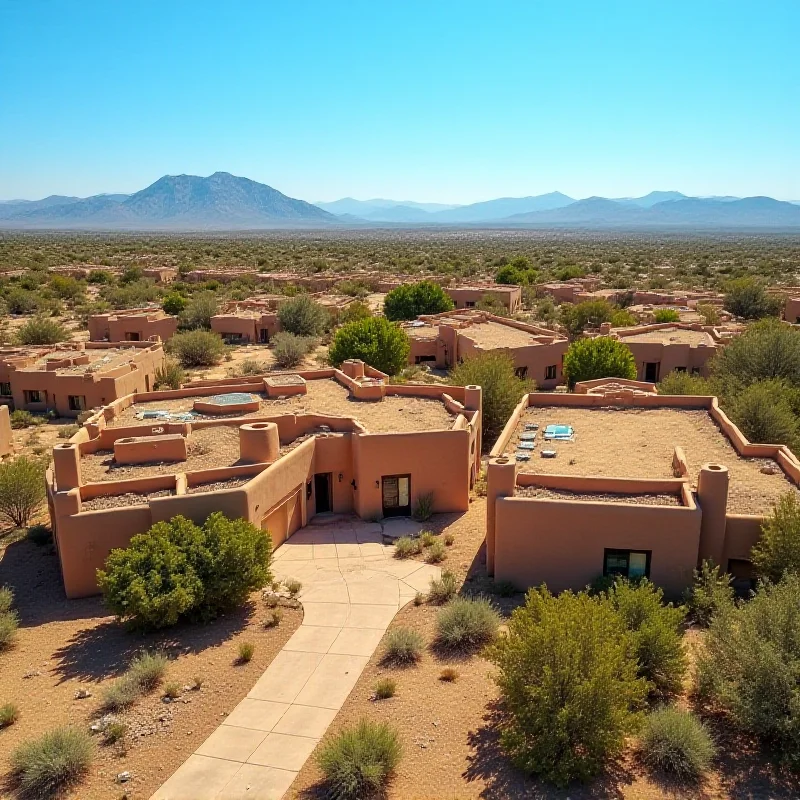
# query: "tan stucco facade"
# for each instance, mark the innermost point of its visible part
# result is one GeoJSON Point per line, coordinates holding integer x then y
{"type": "Point", "coordinates": [510, 297]}
{"type": "Point", "coordinates": [133, 325]}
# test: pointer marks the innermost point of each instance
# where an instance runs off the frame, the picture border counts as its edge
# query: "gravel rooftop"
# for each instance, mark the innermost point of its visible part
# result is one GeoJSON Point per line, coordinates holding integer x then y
{"type": "Point", "coordinates": [541, 493]}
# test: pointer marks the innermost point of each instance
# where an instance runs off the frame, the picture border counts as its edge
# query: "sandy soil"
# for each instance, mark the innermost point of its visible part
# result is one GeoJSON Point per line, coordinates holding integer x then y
{"type": "Point", "coordinates": [639, 443]}
{"type": "Point", "coordinates": [66, 645]}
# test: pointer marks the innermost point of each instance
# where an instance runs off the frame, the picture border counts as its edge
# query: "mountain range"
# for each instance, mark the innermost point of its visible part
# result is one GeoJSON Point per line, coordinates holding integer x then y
{"type": "Point", "coordinates": [226, 202]}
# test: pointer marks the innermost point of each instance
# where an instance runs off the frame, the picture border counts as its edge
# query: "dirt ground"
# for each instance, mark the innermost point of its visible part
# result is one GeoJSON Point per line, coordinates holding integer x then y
{"type": "Point", "coordinates": [449, 732]}
{"type": "Point", "coordinates": [66, 645]}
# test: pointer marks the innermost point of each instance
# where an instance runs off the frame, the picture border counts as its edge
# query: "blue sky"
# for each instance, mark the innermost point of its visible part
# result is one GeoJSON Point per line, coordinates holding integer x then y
{"type": "Point", "coordinates": [429, 101]}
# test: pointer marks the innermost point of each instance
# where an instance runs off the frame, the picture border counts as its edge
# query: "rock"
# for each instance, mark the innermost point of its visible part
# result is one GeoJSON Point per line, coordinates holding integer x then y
{"type": "Point", "coordinates": [82, 694]}
{"type": "Point", "coordinates": [32, 673]}
{"type": "Point", "coordinates": [768, 469]}
{"type": "Point", "coordinates": [123, 777]}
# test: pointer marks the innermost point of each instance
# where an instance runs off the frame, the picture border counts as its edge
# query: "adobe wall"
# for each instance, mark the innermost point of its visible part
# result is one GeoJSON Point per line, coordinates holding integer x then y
{"type": "Point", "coordinates": [6, 442]}
{"type": "Point", "coordinates": [145, 326]}
{"type": "Point", "coordinates": [791, 310]}
{"type": "Point", "coordinates": [509, 296]}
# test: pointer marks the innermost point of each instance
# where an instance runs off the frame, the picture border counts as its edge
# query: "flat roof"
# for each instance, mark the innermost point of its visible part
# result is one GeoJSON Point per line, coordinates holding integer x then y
{"type": "Point", "coordinates": [99, 360]}
{"type": "Point", "coordinates": [639, 443]}
{"type": "Point", "coordinates": [495, 334]}
{"type": "Point", "coordinates": [670, 335]}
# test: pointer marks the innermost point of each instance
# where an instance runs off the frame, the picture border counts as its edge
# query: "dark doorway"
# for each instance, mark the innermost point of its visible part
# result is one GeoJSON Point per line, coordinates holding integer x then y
{"type": "Point", "coordinates": [396, 491]}
{"type": "Point", "coordinates": [651, 371]}
{"type": "Point", "coordinates": [263, 336]}
{"type": "Point", "coordinates": [322, 492]}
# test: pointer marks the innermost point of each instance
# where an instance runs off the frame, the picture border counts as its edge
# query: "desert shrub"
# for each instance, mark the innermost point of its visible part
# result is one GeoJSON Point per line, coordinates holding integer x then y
{"type": "Point", "coordinates": [504, 589]}
{"type": "Point", "coordinates": [174, 304]}
{"type": "Point", "coordinates": [20, 418]}
{"type": "Point", "coordinates": [449, 539]}
{"type": "Point", "coordinates": [667, 315]}
{"type": "Point", "coordinates": [66, 287]}
{"type": "Point", "coordinates": [655, 631]}
{"type": "Point", "coordinates": [21, 301]}
{"type": "Point", "coordinates": [22, 489]}
{"type": "Point", "coordinates": [251, 367]}
{"type": "Point", "coordinates": [589, 314]}
{"type": "Point", "coordinates": [40, 535]}
{"type": "Point", "coordinates": [246, 652]}
{"type": "Point", "coordinates": [303, 316]}
{"type": "Point", "coordinates": [170, 375]}
{"type": "Point", "coordinates": [9, 714]}
{"type": "Point", "coordinates": [290, 350]}
{"type": "Point", "coordinates": [57, 759]}
{"type": "Point", "coordinates": [293, 586]}
{"type": "Point", "coordinates": [620, 318]}
{"type": "Point", "coordinates": [274, 619]}
{"type": "Point", "coordinates": [114, 732]}
{"type": "Point", "coordinates": [179, 570]}
{"type": "Point", "coordinates": [100, 276]}
{"type": "Point", "coordinates": [466, 623]}
{"type": "Point", "coordinates": [502, 389]}
{"type": "Point", "coordinates": [41, 330]}
{"type": "Point", "coordinates": [448, 675]}
{"type": "Point", "coordinates": [403, 646]}
{"type": "Point", "coordinates": [375, 341]}
{"type": "Point", "coordinates": [198, 311]}
{"type": "Point", "coordinates": [763, 413]}
{"type": "Point", "coordinates": [603, 357]}
{"type": "Point", "coordinates": [359, 761]}
{"type": "Point", "coordinates": [684, 383]}
{"type": "Point", "coordinates": [9, 625]}
{"type": "Point", "coordinates": [778, 550]}
{"type": "Point", "coordinates": [409, 300]}
{"type": "Point", "coordinates": [172, 690]}
{"type": "Point", "coordinates": [197, 348]}
{"type": "Point", "coordinates": [385, 688]}
{"type": "Point", "coordinates": [145, 672]}
{"type": "Point", "coordinates": [68, 431]}
{"type": "Point", "coordinates": [354, 312]}
{"type": "Point", "coordinates": [427, 538]}
{"type": "Point", "coordinates": [443, 588]}
{"type": "Point", "coordinates": [709, 313]}
{"type": "Point", "coordinates": [750, 663]}
{"type": "Point", "coordinates": [675, 741]}
{"type": "Point", "coordinates": [436, 553]}
{"type": "Point", "coordinates": [748, 298]}
{"type": "Point", "coordinates": [710, 591]}
{"type": "Point", "coordinates": [568, 680]}
{"type": "Point", "coordinates": [6, 599]}
{"type": "Point", "coordinates": [406, 546]}
{"type": "Point", "coordinates": [423, 508]}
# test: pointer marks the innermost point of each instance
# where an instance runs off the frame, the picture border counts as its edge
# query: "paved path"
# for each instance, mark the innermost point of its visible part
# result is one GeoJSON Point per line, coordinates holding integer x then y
{"type": "Point", "coordinates": [352, 589]}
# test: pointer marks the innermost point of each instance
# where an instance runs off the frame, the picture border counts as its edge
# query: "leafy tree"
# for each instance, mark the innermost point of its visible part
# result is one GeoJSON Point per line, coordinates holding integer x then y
{"type": "Point", "coordinates": [764, 413]}
{"type": "Point", "coordinates": [568, 681]}
{"type": "Point", "coordinates": [375, 341]}
{"type": "Point", "coordinates": [131, 274]}
{"type": "Point", "coordinates": [41, 330]}
{"type": "Point", "coordinates": [711, 591]}
{"type": "Point", "coordinates": [22, 301]}
{"type": "Point", "coordinates": [410, 300]}
{"type": "Point", "coordinates": [709, 313]}
{"type": "Point", "coordinates": [667, 315]}
{"type": "Point", "coordinates": [751, 662]}
{"type": "Point", "coordinates": [354, 312]}
{"type": "Point", "coordinates": [589, 314]}
{"type": "Point", "coordinates": [100, 276]}
{"type": "Point", "coordinates": [179, 570]}
{"type": "Point", "coordinates": [684, 383]}
{"type": "Point", "coordinates": [303, 316]}
{"type": "Point", "coordinates": [777, 552]}
{"type": "Point", "coordinates": [199, 310]}
{"type": "Point", "coordinates": [656, 631]}
{"type": "Point", "coordinates": [519, 272]}
{"type": "Point", "coordinates": [747, 298]}
{"type": "Point", "coordinates": [174, 303]}
{"type": "Point", "coordinates": [494, 372]}
{"type": "Point", "coordinates": [22, 489]}
{"type": "Point", "coordinates": [603, 357]}
{"type": "Point", "coordinates": [197, 348]}
{"type": "Point", "coordinates": [66, 287]}
{"type": "Point", "coordinates": [621, 318]}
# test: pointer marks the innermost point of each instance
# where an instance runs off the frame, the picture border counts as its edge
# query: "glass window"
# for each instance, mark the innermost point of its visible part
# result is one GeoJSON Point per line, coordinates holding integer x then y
{"type": "Point", "coordinates": [5, 389]}
{"type": "Point", "coordinates": [629, 563]}
{"type": "Point", "coordinates": [550, 373]}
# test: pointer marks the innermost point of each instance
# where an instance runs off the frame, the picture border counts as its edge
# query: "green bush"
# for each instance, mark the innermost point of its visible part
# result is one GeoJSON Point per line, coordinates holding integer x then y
{"type": "Point", "coordinates": [303, 316]}
{"type": "Point", "coordinates": [778, 550]}
{"type": "Point", "coordinates": [436, 553]}
{"type": "Point", "coordinates": [747, 298]}
{"type": "Point", "coordinates": [100, 276]}
{"type": "Point", "coordinates": [20, 301]}
{"type": "Point", "coordinates": [423, 508]}
{"type": "Point", "coordinates": [178, 570]}
{"type": "Point", "coordinates": [751, 661]}
{"type": "Point", "coordinates": [68, 431]}
{"type": "Point", "coordinates": [114, 732]}
{"type": "Point", "coordinates": [603, 357]}
{"type": "Point", "coordinates": [406, 546]}
{"type": "Point", "coordinates": [199, 310]}
{"type": "Point", "coordinates": [375, 341]}
{"type": "Point", "coordinates": [711, 591]}
{"type": "Point", "coordinates": [359, 761]}
{"type": "Point", "coordinates": [676, 742]}
{"type": "Point", "coordinates": [385, 688]}
{"type": "Point", "coordinates": [145, 672]}
{"type": "Point", "coordinates": [67, 287]}
{"type": "Point", "coordinates": [45, 766]}
{"type": "Point", "coordinates": [589, 314]}
{"type": "Point", "coordinates": [620, 318]}
{"type": "Point", "coordinates": [568, 681]}
{"type": "Point", "coordinates": [9, 625]}
{"type": "Point", "coordinates": [502, 389]}
{"type": "Point", "coordinates": [709, 313]}
{"type": "Point", "coordinates": [40, 535]}
{"type": "Point", "coordinates": [354, 312]}
{"type": "Point", "coordinates": [466, 623]}
{"type": "Point", "coordinates": [197, 348]}
{"type": "Point", "coordinates": [290, 350]}
{"type": "Point", "coordinates": [684, 383]}
{"type": "Point", "coordinates": [246, 652]}
{"type": "Point", "coordinates": [170, 375]}
{"type": "Point", "coordinates": [9, 714]}
{"type": "Point", "coordinates": [174, 304]}
{"type": "Point", "coordinates": [20, 418]}
{"type": "Point", "coordinates": [409, 300]}
{"type": "Point", "coordinates": [41, 330]}
{"type": "Point", "coordinates": [444, 588]}
{"type": "Point", "coordinates": [22, 490]}
{"type": "Point", "coordinates": [403, 646]}
{"type": "Point", "coordinates": [655, 632]}
{"type": "Point", "coordinates": [763, 413]}
{"type": "Point", "coordinates": [6, 599]}
{"type": "Point", "coordinates": [667, 315]}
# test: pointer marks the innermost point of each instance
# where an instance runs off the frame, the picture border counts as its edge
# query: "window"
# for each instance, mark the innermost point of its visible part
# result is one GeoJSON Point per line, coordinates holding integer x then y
{"type": "Point", "coordinates": [521, 372]}
{"type": "Point", "coordinates": [5, 389]}
{"type": "Point", "coordinates": [421, 359]}
{"type": "Point", "coordinates": [550, 372]}
{"type": "Point", "coordinates": [651, 369]}
{"type": "Point", "coordinates": [77, 402]}
{"type": "Point", "coordinates": [33, 396]}
{"type": "Point", "coordinates": [680, 369]}
{"type": "Point", "coordinates": [695, 370]}
{"type": "Point", "coordinates": [132, 336]}
{"type": "Point", "coordinates": [469, 304]}
{"type": "Point", "coordinates": [396, 493]}
{"type": "Point", "coordinates": [629, 563]}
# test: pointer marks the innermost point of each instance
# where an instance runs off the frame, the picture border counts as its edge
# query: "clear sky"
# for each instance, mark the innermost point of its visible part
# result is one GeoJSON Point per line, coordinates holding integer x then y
{"type": "Point", "coordinates": [430, 101]}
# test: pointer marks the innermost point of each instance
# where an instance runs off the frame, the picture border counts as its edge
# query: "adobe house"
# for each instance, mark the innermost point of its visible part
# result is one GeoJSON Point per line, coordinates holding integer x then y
{"type": "Point", "coordinates": [71, 378]}
{"type": "Point", "coordinates": [6, 442]}
{"type": "Point", "coordinates": [616, 479]}
{"type": "Point", "coordinates": [445, 339]}
{"type": "Point", "coordinates": [132, 325]}
{"type": "Point", "coordinates": [791, 310]}
{"type": "Point", "coordinates": [275, 450]}
{"type": "Point", "coordinates": [669, 346]}
{"type": "Point", "coordinates": [252, 320]}
{"type": "Point", "coordinates": [510, 297]}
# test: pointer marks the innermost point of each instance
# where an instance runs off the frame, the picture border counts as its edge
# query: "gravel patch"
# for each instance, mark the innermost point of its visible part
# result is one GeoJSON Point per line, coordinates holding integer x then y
{"type": "Point", "coordinates": [541, 493]}
{"type": "Point", "coordinates": [118, 500]}
{"type": "Point", "coordinates": [232, 483]}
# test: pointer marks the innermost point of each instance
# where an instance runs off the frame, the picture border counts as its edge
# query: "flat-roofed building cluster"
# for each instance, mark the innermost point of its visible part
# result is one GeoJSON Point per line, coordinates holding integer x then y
{"type": "Point", "coordinates": [71, 378]}
{"type": "Point", "coordinates": [132, 325]}
{"type": "Point", "coordinates": [276, 450]}
{"type": "Point", "coordinates": [617, 479]}
{"type": "Point", "coordinates": [509, 297]}
{"type": "Point", "coordinates": [445, 339]}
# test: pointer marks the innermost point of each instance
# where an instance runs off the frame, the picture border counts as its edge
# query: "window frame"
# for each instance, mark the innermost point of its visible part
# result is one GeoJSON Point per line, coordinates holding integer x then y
{"type": "Point", "coordinates": [551, 372]}
{"type": "Point", "coordinates": [618, 551]}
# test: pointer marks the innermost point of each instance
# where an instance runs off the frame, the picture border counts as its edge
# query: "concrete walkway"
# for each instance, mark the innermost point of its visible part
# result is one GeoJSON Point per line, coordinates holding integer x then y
{"type": "Point", "coordinates": [352, 589]}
